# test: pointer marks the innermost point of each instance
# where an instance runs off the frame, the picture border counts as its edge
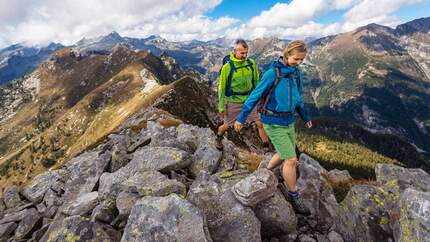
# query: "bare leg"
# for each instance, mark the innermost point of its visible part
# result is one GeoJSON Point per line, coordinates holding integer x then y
{"type": "Point", "coordinates": [222, 129]}
{"type": "Point", "coordinates": [262, 132]}
{"type": "Point", "coordinates": [274, 162]}
{"type": "Point", "coordinates": [289, 174]}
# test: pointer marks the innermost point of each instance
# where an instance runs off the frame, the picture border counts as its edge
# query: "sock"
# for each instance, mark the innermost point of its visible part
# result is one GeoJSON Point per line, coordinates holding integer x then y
{"type": "Point", "coordinates": [293, 194]}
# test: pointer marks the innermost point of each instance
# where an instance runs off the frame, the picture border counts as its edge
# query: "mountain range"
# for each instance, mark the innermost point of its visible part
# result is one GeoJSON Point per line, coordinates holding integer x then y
{"type": "Point", "coordinates": [374, 77]}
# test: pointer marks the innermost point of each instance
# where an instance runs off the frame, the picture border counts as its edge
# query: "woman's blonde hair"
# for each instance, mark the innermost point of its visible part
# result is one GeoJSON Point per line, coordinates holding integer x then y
{"type": "Point", "coordinates": [295, 46]}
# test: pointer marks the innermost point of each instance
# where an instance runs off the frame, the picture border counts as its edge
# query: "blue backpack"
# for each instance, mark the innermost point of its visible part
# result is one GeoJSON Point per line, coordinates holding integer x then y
{"type": "Point", "coordinates": [233, 69]}
{"type": "Point", "coordinates": [261, 108]}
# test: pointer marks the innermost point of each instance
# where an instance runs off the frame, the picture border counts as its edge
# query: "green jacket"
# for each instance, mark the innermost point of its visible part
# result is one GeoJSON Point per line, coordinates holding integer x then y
{"type": "Point", "coordinates": [241, 82]}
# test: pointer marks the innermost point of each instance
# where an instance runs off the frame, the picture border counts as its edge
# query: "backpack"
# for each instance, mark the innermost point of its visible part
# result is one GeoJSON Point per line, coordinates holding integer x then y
{"type": "Point", "coordinates": [233, 69]}
{"type": "Point", "coordinates": [266, 95]}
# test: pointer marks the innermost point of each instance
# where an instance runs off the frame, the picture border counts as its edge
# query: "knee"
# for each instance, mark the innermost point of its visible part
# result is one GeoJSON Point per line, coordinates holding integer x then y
{"type": "Point", "coordinates": [291, 162]}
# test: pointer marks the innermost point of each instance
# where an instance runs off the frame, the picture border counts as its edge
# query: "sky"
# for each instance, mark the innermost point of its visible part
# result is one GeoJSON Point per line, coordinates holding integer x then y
{"type": "Point", "coordinates": [67, 21]}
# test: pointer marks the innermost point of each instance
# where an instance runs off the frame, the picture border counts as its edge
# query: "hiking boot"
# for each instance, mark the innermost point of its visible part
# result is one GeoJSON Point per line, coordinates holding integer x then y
{"type": "Point", "coordinates": [298, 205]}
{"type": "Point", "coordinates": [218, 142]}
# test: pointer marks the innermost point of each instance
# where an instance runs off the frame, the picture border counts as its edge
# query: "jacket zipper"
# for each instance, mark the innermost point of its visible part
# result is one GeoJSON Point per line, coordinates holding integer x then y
{"type": "Point", "coordinates": [291, 92]}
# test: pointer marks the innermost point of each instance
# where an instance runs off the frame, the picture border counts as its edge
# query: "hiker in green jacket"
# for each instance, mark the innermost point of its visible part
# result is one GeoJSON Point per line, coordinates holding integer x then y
{"type": "Point", "coordinates": [239, 76]}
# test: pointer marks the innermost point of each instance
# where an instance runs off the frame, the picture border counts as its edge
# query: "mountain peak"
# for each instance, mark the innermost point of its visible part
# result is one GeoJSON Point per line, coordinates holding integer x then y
{"type": "Point", "coordinates": [421, 25]}
{"type": "Point", "coordinates": [376, 28]}
{"type": "Point", "coordinates": [113, 36]}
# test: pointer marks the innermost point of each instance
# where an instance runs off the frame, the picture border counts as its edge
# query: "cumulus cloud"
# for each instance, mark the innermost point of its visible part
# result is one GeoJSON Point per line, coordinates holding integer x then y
{"type": "Point", "coordinates": [295, 19]}
{"type": "Point", "coordinates": [69, 20]}
{"type": "Point", "coordinates": [43, 21]}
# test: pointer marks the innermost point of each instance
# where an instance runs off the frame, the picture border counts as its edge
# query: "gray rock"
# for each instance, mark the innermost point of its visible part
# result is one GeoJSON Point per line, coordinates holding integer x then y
{"type": "Point", "coordinates": [364, 217]}
{"type": "Point", "coordinates": [31, 219]}
{"type": "Point", "coordinates": [82, 205]}
{"type": "Point", "coordinates": [160, 136]}
{"type": "Point", "coordinates": [50, 212]}
{"type": "Point", "coordinates": [2, 206]}
{"type": "Point", "coordinates": [165, 219]}
{"type": "Point", "coordinates": [7, 229]}
{"type": "Point", "coordinates": [51, 199]}
{"type": "Point", "coordinates": [333, 236]}
{"type": "Point", "coordinates": [292, 237]}
{"type": "Point", "coordinates": [276, 215]}
{"type": "Point", "coordinates": [152, 183]}
{"type": "Point", "coordinates": [206, 156]}
{"type": "Point", "coordinates": [41, 183]}
{"type": "Point", "coordinates": [162, 159]}
{"type": "Point", "coordinates": [105, 212]}
{"type": "Point", "coordinates": [306, 238]}
{"type": "Point", "coordinates": [229, 160]}
{"type": "Point", "coordinates": [41, 208]}
{"type": "Point", "coordinates": [311, 183]}
{"type": "Point", "coordinates": [119, 156]}
{"type": "Point", "coordinates": [413, 223]}
{"type": "Point", "coordinates": [396, 179]}
{"type": "Point", "coordinates": [338, 176]}
{"type": "Point", "coordinates": [11, 197]}
{"type": "Point", "coordinates": [256, 187]}
{"type": "Point", "coordinates": [228, 220]}
{"type": "Point", "coordinates": [14, 217]}
{"type": "Point", "coordinates": [37, 235]}
{"type": "Point", "coordinates": [85, 171]}
{"type": "Point", "coordinates": [138, 144]}
{"type": "Point", "coordinates": [321, 238]}
{"type": "Point", "coordinates": [125, 202]}
{"type": "Point", "coordinates": [77, 228]}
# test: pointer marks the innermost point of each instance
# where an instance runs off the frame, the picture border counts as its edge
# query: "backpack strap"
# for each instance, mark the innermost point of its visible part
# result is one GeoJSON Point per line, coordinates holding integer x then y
{"type": "Point", "coordinates": [251, 65]}
{"type": "Point", "coordinates": [228, 91]}
{"type": "Point", "coordinates": [263, 103]}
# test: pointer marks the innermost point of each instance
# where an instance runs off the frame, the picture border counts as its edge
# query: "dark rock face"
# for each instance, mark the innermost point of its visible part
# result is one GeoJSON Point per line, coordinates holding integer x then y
{"type": "Point", "coordinates": [194, 109]}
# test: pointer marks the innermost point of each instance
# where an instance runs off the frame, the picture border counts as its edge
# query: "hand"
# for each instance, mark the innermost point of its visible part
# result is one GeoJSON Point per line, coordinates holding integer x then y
{"type": "Point", "coordinates": [221, 114]}
{"type": "Point", "coordinates": [308, 125]}
{"type": "Point", "coordinates": [238, 126]}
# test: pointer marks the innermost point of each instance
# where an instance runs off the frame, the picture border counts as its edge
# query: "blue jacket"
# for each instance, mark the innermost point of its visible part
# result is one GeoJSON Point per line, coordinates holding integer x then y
{"type": "Point", "coordinates": [286, 97]}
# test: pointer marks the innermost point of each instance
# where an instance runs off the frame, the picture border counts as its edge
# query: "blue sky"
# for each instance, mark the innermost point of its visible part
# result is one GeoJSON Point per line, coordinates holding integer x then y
{"type": "Point", "coordinates": [44, 21]}
{"type": "Point", "coordinates": [242, 9]}
{"type": "Point", "coordinates": [246, 9]}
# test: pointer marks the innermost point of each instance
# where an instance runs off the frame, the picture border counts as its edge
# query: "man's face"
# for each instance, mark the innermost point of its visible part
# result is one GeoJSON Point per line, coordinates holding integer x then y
{"type": "Point", "coordinates": [240, 52]}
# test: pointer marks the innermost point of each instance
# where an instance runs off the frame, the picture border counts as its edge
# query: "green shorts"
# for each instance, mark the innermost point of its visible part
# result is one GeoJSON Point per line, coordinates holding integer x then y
{"type": "Point", "coordinates": [283, 138]}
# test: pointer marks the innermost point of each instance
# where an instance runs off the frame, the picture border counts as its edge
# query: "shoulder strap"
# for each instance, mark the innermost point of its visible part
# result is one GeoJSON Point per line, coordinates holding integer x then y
{"type": "Point", "coordinates": [267, 96]}
{"type": "Point", "coordinates": [251, 65]}
{"type": "Point", "coordinates": [230, 76]}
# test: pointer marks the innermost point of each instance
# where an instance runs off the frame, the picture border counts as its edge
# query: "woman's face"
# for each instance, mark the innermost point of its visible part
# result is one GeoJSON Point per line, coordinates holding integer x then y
{"type": "Point", "coordinates": [296, 58]}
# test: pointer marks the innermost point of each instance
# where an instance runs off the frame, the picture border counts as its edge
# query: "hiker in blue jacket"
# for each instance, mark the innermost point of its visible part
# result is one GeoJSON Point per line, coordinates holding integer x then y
{"type": "Point", "coordinates": [279, 95]}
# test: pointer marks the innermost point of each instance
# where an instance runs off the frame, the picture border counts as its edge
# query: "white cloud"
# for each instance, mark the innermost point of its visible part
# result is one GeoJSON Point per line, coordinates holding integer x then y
{"type": "Point", "coordinates": [297, 13]}
{"type": "Point", "coordinates": [296, 19]}
{"type": "Point", "coordinates": [43, 21]}
{"type": "Point", "coordinates": [370, 9]}
{"type": "Point", "coordinates": [69, 20]}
